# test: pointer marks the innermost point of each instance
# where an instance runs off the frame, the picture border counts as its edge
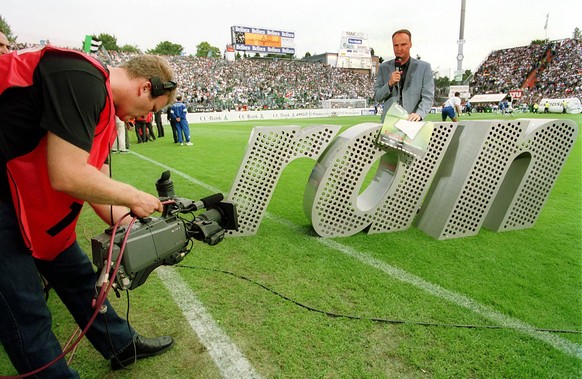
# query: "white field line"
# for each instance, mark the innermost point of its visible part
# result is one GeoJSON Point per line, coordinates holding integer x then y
{"type": "Point", "coordinates": [228, 358]}
{"type": "Point", "coordinates": [557, 342]}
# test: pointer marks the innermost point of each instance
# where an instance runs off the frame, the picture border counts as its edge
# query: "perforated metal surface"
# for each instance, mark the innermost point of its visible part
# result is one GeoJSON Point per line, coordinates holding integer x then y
{"type": "Point", "coordinates": [546, 149]}
{"type": "Point", "coordinates": [399, 209]}
{"type": "Point", "coordinates": [496, 174]}
{"type": "Point", "coordinates": [269, 151]}
{"type": "Point", "coordinates": [502, 175]}
{"type": "Point", "coordinates": [333, 201]}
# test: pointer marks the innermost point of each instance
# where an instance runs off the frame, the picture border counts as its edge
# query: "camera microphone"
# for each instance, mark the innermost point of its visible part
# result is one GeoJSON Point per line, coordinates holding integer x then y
{"type": "Point", "coordinates": [207, 202]}
{"type": "Point", "coordinates": [211, 200]}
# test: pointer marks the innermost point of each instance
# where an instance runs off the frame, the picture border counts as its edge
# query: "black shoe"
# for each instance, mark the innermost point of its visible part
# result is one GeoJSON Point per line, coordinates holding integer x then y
{"type": "Point", "coordinates": [144, 347]}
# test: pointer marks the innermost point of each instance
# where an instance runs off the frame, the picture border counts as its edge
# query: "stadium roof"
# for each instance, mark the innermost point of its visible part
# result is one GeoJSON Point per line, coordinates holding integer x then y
{"type": "Point", "coordinates": [488, 98]}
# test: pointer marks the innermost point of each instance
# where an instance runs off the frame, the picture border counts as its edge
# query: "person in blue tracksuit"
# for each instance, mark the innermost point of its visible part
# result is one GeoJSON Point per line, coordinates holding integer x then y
{"type": "Point", "coordinates": [179, 111]}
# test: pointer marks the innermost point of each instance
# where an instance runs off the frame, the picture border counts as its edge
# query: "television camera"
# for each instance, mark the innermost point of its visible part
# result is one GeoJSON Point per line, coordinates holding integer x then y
{"type": "Point", "coordinates": [154, 241]}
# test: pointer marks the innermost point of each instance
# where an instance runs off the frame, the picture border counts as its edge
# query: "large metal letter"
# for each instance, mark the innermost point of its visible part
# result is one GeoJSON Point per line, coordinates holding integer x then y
{"type": "Point", "coordinates": [497, 174]}
{"type": "Point", "coordinates": [333, 201]}
{"type": "Point", "coordinates": [269, 151]}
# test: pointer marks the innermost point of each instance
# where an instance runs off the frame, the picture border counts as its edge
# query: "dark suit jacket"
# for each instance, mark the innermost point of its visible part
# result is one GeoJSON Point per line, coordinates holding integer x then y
{"type": "Point", "coordinates": [418, 91]}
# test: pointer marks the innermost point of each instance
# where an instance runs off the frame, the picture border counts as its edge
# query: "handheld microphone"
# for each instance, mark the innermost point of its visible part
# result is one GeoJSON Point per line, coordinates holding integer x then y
{"type": "Point", "coordinates": [397, 67]}
{"type": "Point", "coordinates": [397, 63]}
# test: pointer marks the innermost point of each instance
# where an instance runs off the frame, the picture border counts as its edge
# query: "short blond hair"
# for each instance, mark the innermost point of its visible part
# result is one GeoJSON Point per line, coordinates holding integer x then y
{"type": "Point", "coordinates": [150, 66]}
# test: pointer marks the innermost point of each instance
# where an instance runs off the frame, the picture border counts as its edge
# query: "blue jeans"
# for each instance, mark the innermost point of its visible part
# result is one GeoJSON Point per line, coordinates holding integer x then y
{"type": "Point", "coordinates": [25, 320]}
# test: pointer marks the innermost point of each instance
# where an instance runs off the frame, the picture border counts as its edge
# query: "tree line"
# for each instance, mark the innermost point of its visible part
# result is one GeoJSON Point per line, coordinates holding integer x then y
{"type": "Point", "coordinates": [203, 49]}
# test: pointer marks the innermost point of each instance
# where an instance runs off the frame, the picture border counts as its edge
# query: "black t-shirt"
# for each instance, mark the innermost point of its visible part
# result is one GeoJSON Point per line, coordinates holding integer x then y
{"type": "Point", "coordinates": [403, 72]}
{"type": "Point", "coordinates": [66, 98]}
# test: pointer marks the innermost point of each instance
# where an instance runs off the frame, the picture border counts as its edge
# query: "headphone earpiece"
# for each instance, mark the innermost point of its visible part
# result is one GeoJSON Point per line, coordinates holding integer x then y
{"type": "Point", "coordinates": [159, 88]}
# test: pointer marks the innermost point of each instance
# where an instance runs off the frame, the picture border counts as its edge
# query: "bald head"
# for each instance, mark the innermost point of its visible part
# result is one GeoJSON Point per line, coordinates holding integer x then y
{"type": "Point", "coordinates": [4, 44]}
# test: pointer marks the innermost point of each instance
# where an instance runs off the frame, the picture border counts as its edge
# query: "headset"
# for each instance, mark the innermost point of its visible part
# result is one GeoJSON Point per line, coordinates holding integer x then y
{"type": "Point", "coordinates": [159, 88]}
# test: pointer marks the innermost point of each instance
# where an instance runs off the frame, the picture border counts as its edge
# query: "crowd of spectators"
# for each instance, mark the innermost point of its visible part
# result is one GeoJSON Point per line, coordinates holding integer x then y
{"type": "Point", "coordinates": [554, 70]}
{"type": "Point", "coordinates": [563, 75]}
{"type": "Point", "coordinates": [217, 84]}
{"type": "Point", "coordinates": [252, 84]}
{"type": "Point", "coordinates": [506, 68]}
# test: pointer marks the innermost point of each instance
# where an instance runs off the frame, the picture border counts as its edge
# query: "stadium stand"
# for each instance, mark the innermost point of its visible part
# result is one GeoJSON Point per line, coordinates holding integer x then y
{"type": "Point", "coordinates": [552, 70]}
{"type": "Point", "coordinates": [255, 84]}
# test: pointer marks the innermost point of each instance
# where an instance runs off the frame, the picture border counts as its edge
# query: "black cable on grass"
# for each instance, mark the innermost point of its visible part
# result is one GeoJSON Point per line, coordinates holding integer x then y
{"type": "Point", "coordinates": [374, 319]}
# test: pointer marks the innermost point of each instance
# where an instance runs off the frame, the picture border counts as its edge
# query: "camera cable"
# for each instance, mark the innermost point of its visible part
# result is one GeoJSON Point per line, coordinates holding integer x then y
{"type": "Point", "coordinates": [364, 318]}
{"type": "Point", "coordinates": [103, 286]}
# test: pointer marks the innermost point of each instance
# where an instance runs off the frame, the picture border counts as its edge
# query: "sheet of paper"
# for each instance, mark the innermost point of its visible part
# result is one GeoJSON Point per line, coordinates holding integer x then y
{"type": "Point", "coordinates": [411, 128]}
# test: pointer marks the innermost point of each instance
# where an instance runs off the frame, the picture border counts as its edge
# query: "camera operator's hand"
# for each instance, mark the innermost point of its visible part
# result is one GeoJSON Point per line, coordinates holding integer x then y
{"type": "Point", "coordinates": [145, 204]}
{"type": "Point", "coordinates": [70, 173]}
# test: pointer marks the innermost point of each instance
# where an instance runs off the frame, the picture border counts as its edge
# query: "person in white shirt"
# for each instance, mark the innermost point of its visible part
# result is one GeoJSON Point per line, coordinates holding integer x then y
{"type": "Point", "coordinates": [452, 108]}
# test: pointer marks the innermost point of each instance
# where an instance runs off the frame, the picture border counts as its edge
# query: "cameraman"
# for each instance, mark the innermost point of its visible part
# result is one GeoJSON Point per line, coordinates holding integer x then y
{"type": "Point", "coordinates": [57, 125]}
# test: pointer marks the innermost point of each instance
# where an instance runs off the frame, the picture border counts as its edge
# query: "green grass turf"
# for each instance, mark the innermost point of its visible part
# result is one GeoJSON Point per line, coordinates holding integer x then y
{"type": "Point", "coordinates": [531, 275]}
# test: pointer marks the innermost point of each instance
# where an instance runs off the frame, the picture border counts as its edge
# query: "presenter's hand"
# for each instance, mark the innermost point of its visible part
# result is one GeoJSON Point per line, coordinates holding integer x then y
{"type": "Point", "coordinates": [414, 117]}
{"type": "Point", "coordinates": [394, 78]}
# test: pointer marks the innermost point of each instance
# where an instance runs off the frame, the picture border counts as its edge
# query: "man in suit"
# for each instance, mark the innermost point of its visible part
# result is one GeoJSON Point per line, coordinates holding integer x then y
{"type": "Point", "coordinates": [405, 80]}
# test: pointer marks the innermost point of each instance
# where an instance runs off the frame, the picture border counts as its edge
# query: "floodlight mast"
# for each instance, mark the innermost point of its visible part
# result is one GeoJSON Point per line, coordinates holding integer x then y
{"type": "Point", "coordinates": [460, 42]}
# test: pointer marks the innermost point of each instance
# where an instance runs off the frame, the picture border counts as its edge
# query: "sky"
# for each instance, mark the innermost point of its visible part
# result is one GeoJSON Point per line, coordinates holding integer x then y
{"type": "Point", "coordinates": [317, 24]}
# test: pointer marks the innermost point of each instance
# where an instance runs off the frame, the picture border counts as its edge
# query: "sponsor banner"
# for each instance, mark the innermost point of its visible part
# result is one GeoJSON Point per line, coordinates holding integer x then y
{"type": "Point", "coordinates": [516, 94]}
{"type": "Point", "coordinates": [573, 105]}
{"type": "Point", "coordinates": [355, 35]}
{"type": "Point", "coordinates": [276, 114]}
{"type": "Point", "coordinates": [464, 90]}
{"type": "Point", "coordinates": [264, 49]}
{"type": "Point", "coordinates": [354, 62]}
{"type": "Point", "coordinates": [355, 45]}
{"type": "Point", "coordinates": [246, 29]}
{"type": "Point", "coordinates": [262, 40]}
{"type": "Point", "coordinates": [488, 98]}
{"type": "Point", "coordinates": [287, 42]}
{"type": "Point", "coordinates": [354, 51]}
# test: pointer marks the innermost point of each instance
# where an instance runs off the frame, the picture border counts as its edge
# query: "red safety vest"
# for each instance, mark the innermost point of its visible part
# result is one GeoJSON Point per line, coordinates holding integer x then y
{"type": "Point", "coordinates": [47, 217]}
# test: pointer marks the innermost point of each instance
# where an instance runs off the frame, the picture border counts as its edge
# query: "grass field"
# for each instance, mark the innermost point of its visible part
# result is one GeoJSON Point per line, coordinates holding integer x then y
{"type": "Point", "coordinates": [520, 280]}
